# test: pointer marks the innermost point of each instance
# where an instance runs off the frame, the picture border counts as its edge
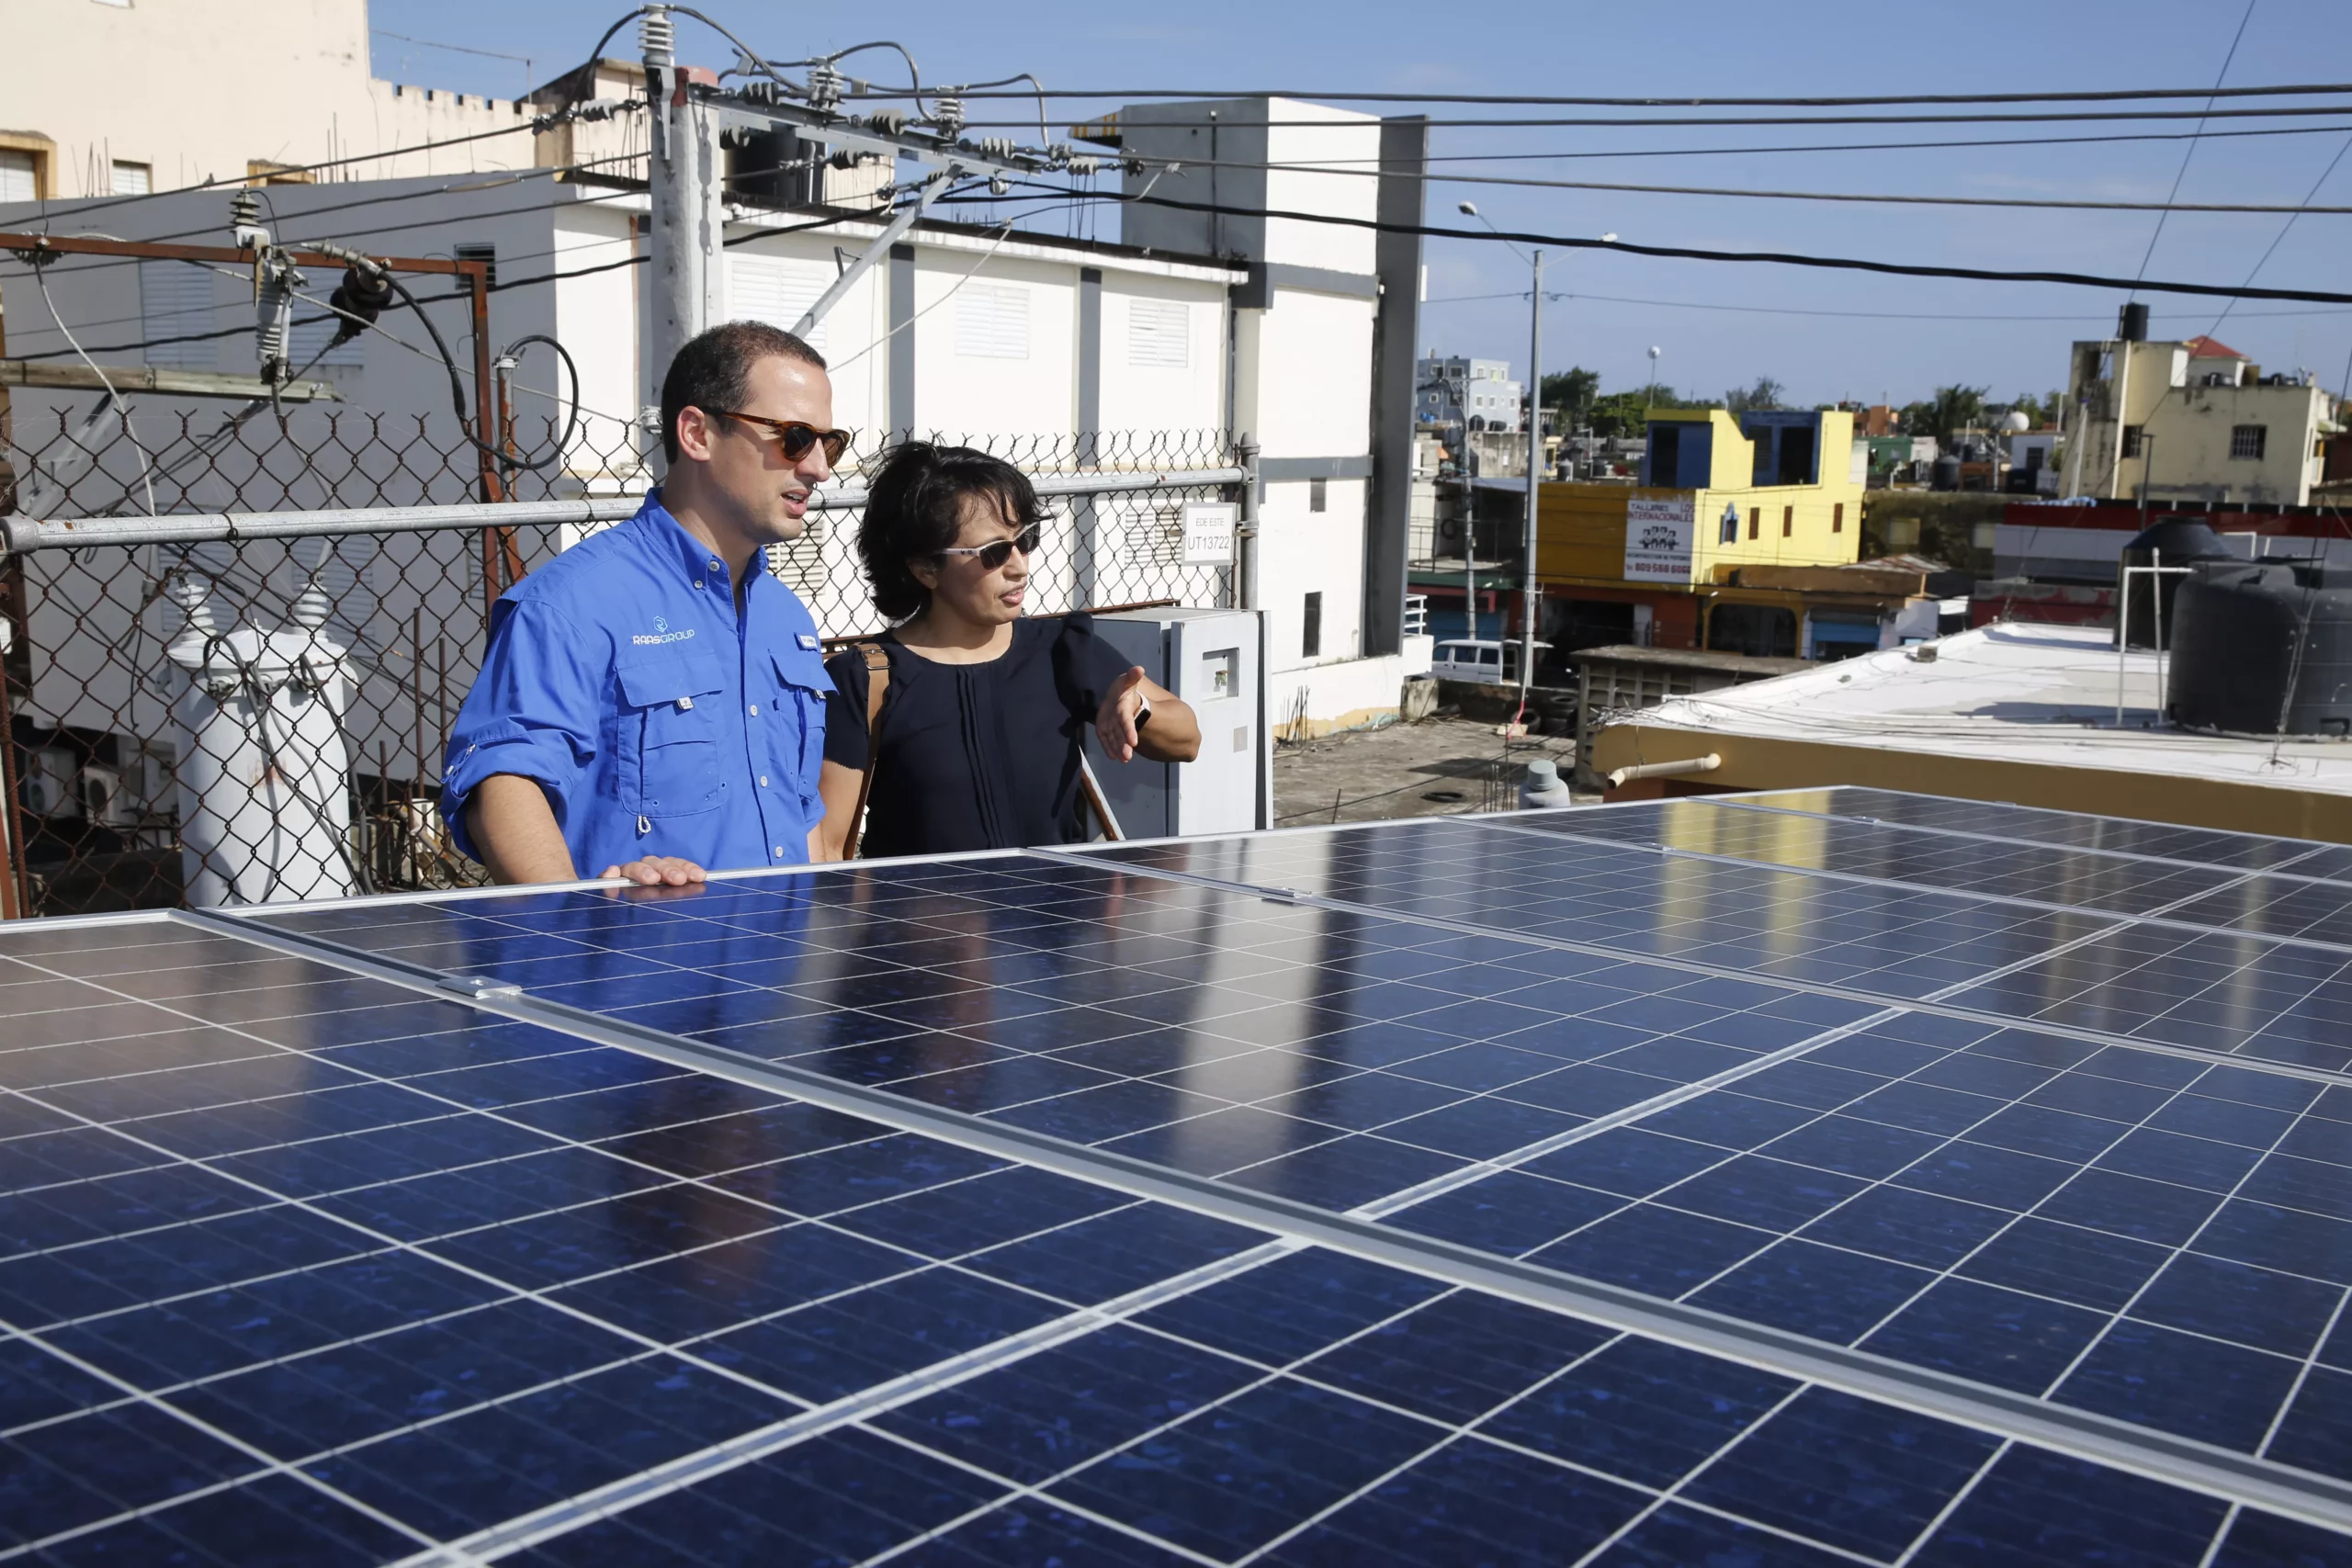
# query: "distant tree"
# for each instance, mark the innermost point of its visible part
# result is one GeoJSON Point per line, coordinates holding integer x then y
{"type": "Point", "coordinates": [1766, 394]}
{"type": "Point", "coordinates": [1571, 392]}
{"type": "Point", "coordinates": [1952, 408]}
{"type": "Point", "coordinates": [1626, 413]}
{"type": "Point", "coordinates": [2048, 409]}
{"type": "Point", "coordinates": [1620, 414]}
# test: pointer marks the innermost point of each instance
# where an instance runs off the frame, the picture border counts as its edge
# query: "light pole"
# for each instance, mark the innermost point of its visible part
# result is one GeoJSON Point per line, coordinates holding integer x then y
{"type": "Point", "coordinates": [1527, 584]}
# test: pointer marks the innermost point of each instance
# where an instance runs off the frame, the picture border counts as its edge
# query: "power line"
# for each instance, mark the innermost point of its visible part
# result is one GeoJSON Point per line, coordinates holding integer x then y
{"type": "Point", "coordinates": [2277, 239]}
{"type": "Point", "coordinates": [1853, 315]}
{"type": "Point", "coordinates": [1525, 122]}
{"type": "Point", "coordinates": [2190, 150]}
{"type": "Point", "coordinates": [1774, 258]}
{"type": "Point", "coordinates": [1317, 167]}
{"type": "Point", "coordinates": [1874, 146]}
{"type": "Point", "coordinates": [499, 288]}
{"type": "Point", "coordinates": [52, 210]}
{"type": "Point", "coordinates": [2116, 94]}
{"type": "Point", "coordinates": [522, 60]}
{"type": "Point", "coordinates": [458, 185]}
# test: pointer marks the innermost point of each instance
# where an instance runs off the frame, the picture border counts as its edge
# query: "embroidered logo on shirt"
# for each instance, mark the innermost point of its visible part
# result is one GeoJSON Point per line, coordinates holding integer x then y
{"type": "Point", "coordinates": [809, 641]}
{"type": "Point", "coordinates": [661, 625]}
{"type": "Point", "coordinates": [661, 633]}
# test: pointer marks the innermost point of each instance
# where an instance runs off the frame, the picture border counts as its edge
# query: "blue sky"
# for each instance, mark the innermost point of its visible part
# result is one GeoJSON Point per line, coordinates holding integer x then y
{"type": "Point", "coordinates": [1907, 336]}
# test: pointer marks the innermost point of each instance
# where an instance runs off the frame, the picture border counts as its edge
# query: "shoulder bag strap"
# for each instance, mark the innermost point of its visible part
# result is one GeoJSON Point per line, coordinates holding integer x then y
{"type": "Point", "coordinates": [1094, 796]}
{"type": "Point", "coordinates": [877, 685]}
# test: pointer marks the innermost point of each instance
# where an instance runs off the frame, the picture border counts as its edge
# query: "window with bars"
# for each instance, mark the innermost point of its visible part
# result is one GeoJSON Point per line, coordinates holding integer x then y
{"type": "Point", "coordinates": [312, 342]}
{"type": "Point", "coordinates": [992, 321]}
{"type": "Point", "coordinates": [2249, 440]}
{"type": "Point", "coordinates": [1311, 637]}
{"type": "Point", "coordinates": [487, 253]}
{"type": "Point", "coordinates": [2131, 435]}
{"type": "Point", "coordinates": [176, 300]}
{"type": "Point", "coordinates": [777, 291]}
{"type": "Point", "coordinates": [1160, 334]}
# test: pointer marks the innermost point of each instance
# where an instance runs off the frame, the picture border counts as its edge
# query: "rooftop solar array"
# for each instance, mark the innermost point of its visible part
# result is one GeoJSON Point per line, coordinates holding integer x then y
{"type": "Point", "coordinates": [1829, 1176]}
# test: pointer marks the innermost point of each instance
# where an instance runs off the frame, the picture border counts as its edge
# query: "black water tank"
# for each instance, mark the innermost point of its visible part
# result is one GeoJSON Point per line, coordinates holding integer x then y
{"type": "Point", "coordinates": [1945, 474]}
{"type": "Point", "coordinates": [2148, 601]}
{"type": "Point", "coordinates": [2236, 666]}
{"type": "Point", "coordinates": [2131, 325]}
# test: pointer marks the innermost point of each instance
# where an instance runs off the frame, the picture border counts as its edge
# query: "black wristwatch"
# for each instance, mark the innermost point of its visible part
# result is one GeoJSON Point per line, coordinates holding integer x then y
{"type": "Point", "coordinates": [1143, 715]}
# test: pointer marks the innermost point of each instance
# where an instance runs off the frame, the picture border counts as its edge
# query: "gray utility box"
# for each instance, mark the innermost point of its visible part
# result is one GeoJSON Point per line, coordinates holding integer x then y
{"type": "Point", "coordinates": [1214, 660]}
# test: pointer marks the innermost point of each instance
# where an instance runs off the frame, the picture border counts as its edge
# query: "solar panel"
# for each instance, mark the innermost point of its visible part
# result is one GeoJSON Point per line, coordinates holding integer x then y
{"type": "Point", "coordinates": [2114, 835]}
{"type": "Point", "coordinates": [1637, 1185]}
{"type": "Point", "coordinates": [1870, 850]}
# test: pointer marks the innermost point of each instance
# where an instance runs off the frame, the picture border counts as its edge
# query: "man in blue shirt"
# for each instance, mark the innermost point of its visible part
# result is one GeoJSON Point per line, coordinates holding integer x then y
{"type": "Point", "coordinates": [651, 702]}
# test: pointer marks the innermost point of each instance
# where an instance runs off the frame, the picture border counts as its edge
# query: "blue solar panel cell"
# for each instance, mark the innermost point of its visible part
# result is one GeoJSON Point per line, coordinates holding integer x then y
{"type": "Point", "coordinates": [301, 1260]}
{"type": "Point", "coordinates": [1845, 847]}
{"type": "Point", "coordinates": [2243, 995]}
{"type": "Point", "coordinates": [1957, 1209]}
{"type": "Point", "coordinates": [2040, 1508]}
{"type": "Point", "coordinates": [1757, 921]}
{"type": "Point", "coordinates": [1274, 1070]}
{"type": "Point", "coordinates": [2007, 823]}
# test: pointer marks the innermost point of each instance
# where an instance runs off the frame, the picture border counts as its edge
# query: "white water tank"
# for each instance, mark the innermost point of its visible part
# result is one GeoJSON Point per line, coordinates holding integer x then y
{"type": "Point", "coordinates": [265, 790]}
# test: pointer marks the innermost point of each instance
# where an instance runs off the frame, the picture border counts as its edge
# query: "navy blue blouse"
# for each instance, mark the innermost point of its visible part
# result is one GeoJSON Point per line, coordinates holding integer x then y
{"type": "Point", "coordinates": [976, 756]}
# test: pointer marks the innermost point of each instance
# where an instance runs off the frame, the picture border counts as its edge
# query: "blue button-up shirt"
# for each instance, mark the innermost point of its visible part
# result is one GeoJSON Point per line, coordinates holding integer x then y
{"type": "Point", "coordinates": [660, 723]}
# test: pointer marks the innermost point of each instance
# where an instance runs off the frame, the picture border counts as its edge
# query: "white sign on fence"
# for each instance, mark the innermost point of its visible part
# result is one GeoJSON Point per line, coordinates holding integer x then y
{"type": "Point", "coordinates": [1658, 541]}
{"type": "Point", "coordinates": [1208, 532]}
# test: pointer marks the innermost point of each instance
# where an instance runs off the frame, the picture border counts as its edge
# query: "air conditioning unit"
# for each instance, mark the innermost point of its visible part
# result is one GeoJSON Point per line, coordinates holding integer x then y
{"type": "Point", "coordinates": [52, 784]}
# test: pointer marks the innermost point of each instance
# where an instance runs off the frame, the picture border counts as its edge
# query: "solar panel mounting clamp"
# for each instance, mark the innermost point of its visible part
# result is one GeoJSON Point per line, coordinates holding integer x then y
{"type": "Point", "coordinates": [480, 987]}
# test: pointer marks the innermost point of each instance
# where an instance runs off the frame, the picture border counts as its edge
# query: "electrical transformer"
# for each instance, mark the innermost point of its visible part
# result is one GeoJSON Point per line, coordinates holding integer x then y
{"type": "Point", "coordinates": [1214, 660]}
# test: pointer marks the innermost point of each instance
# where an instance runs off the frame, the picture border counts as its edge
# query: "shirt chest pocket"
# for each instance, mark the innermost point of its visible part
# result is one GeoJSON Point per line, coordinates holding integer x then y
{"type": "Point", "coordinates": [801, 681]}
{"type": "Point", "coordinates": [672, 710]}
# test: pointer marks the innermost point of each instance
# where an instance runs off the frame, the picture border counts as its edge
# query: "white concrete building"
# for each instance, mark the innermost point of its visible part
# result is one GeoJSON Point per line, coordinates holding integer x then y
{"type": "Point", "coordinates": [1476, 392]}
{"type": "Point", "coordinates": [1322, 371]}
{"type": "Point", "coordinates": [959, 332]}
{"type": "Point", "coordinates": [111, 98]}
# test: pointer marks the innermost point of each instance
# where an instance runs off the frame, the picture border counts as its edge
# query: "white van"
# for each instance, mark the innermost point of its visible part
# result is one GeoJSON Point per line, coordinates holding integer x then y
{"type": "Point", "coordinates": [1479, 659]}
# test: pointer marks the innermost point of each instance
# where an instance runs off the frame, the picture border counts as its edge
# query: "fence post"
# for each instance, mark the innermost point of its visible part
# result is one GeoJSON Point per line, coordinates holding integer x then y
{"type": "Point", "coordinates": [495, 542]}
{"type": "Point", "coordinates": [16, 888]}
{"type": "Point", "coordinates": [1245, 533]}
{"type": "Point", "coordinates": [14, 891]}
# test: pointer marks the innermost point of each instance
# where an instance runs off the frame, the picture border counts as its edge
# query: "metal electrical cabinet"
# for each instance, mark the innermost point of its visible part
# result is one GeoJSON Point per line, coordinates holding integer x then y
{"type": "Point", "coordinates": [1214, 660]}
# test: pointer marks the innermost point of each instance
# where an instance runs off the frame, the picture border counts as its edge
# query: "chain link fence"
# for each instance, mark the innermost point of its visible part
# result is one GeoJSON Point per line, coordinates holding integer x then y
{"type": "Point", "coordinates": [232, 715]}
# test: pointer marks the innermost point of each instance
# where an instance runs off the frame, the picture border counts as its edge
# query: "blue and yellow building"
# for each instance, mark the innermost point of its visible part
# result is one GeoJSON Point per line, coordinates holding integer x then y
{"type": "Point", "coordinates": [1741, 536]}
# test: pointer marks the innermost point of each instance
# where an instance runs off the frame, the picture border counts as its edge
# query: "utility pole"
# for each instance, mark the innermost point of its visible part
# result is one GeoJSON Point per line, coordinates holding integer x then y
{"type": "Point", "coordinates": [686, 288]}
{"type": "Point", "coordinates": [692, 119]}
{"type": "Point", "coordinates": [1528, 591]}
{"type": "Point", "coordinates": [1466, 500]}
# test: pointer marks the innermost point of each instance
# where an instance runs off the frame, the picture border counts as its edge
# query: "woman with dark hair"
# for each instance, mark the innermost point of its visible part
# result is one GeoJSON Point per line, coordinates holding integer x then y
{"type": "Point", "coordinates": [984, 713]}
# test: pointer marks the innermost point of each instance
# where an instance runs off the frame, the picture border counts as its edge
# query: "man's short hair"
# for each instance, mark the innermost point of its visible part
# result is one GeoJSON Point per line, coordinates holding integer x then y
{"type": "Point", "coordinates": [713, 372]}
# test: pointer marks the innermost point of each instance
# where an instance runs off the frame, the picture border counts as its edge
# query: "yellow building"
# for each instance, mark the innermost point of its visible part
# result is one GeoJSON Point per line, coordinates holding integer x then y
{"type": "Point", "coordinates": [1722, 543]}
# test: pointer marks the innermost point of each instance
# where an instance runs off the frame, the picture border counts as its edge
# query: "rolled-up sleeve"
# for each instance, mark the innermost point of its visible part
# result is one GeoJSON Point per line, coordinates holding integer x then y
{"type": "Point", "coordinates": [535, 711]}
